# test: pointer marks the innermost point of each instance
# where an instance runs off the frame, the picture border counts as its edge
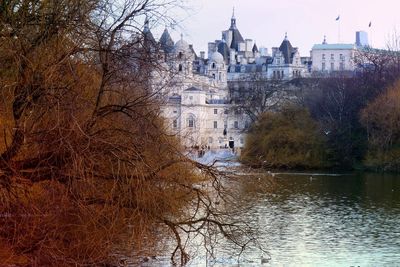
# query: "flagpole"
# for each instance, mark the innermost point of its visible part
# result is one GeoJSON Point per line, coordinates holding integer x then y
{"type": "Point", "coordinates": [338, 20]}
{"type": "Point", "coordinates": [370, 34]}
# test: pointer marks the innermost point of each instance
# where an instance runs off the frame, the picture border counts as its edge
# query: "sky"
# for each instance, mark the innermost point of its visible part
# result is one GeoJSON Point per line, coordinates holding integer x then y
{"type": "Point", "coordinates": [305, 21]}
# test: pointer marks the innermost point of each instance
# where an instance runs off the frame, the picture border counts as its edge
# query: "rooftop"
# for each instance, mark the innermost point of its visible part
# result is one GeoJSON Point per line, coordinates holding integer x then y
{"type": "Point", "coordinates": [333, 46]}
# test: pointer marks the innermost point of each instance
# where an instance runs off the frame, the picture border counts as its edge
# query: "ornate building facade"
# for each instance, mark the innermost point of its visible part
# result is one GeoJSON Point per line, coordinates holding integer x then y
{"type": "Point", "coordinates": [198, 107]}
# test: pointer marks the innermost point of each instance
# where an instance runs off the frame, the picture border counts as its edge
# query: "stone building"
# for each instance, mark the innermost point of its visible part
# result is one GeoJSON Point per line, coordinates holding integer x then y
{"type": "Point", "coordinates": [198, 106]}
{"type": "Point", "coordinates": [244, 58]}
{"type": "Point", "coordinates": [327, 58]}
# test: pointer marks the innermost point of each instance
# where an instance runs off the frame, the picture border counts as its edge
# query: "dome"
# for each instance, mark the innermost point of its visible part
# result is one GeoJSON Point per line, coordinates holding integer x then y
{"type": "Point", "coordinates": [181, 46]}
{"type": "Point", "coordinates": [217, 57]}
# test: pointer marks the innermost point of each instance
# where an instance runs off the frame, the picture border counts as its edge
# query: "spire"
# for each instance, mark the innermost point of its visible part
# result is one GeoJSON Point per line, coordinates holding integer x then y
{"type": "Point", "coordinates": [287, 50]}
{"type": "Point", "coordinates": [255, 48]}
{"type": "Point", "coordinates": [233, 20]}
{"type": "Point", "coordinates": [146, 25]}
{"type": "Point", "coordinates": [324, 42]}
{"type": "Point", "coordinates": [166, 41]}
{"type": "Point", "coordinates": [148, 38]}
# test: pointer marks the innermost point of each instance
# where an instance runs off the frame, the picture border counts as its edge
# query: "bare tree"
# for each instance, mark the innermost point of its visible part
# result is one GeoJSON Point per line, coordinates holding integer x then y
{"type": "Point", "coordinates": [86, 163]}
{"type": "Point", "coordinates": [255, 94]}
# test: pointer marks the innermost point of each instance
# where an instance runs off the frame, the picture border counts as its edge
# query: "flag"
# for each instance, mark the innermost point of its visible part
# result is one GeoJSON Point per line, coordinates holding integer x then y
{"type": "Point", "coordinates": [338, 17]}
{"type": "Point", "coordinates": [370, 23]}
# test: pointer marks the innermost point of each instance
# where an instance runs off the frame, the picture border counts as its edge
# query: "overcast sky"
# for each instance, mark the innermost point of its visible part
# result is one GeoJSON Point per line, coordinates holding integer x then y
{"type": "Point", "coordinates": [305, 21]}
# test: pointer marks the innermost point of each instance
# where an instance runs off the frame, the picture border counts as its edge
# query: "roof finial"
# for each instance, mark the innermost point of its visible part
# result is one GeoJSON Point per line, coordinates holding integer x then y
{"type": "Point", "coordinates": [324, 42]}
{"type": "Point", "coordinates": [233, 20]}
{"type": "Point", "coordinates": [285, 35]}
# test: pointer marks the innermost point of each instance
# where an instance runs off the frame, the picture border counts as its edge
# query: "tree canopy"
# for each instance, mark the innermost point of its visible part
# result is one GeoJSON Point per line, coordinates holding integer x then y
{"type": "Point", "coordinates": [286, 139]}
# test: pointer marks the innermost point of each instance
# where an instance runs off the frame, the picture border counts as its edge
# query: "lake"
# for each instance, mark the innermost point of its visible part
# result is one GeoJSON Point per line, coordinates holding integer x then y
{"type": "Point", "coordinates": [319, 220]}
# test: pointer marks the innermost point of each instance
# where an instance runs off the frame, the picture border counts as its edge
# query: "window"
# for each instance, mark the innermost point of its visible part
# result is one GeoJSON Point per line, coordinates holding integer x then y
{"type": "Point", "coordinates": [175, 123]}
{"type": "Point", "coordinates": [215, 111]}
{"type": "Point", "coordinates": [236, 124]}
{"type": "Point", "coordinates": [241, 141]}
{"type": "Point", "coordinates": [332, 66]}
{"type": "Point", "coordinates": [323, 66]}
{"type": "Point", "coordinates": [226, 111]}
{"type": "Point", "coordinates": [191, 121]}
{"type": "Point", "coordinates": [341, 66]}
{"type": "Point", "coordinates": [323, 56]}
{"type": "Point", "coordinates": [215, 124]}
{"type": "Point", "coordinates": [332, 56]}
{"type": "Point", "coordinates": [210, 140]}
{"type": "Point", "coordinates": [213, 76]}
{"type": "Point", "coordinates": [175, 111]}
{"type": "Point", "coordinates": [220, 76]}
{"type": "Point", "coordinates": [180, 55]}
{"type": "Point", "coordinates": [341, 57]}
{"type": "Point", "coordinates": [213, 66]}
{"type": "Point", "coordinates": [282, 75]}
{"type": "Point", "coordinates": [180, 68]}
{"type": "Point", "coordinates": [246, 124]}
{"type": "Point", "coordinates": [191, 97]}
{"type": "Point", "coordinates": [225, 124]}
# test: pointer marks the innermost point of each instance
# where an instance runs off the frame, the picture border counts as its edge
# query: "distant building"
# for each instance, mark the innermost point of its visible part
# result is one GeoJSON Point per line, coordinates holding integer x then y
{"type": "Point", "coordinates": [327, 58]}
{"type": "Point", "coordinates": [361, 39]}
{"type": "Point", "coordinates": [198, 104]}
{"type": "Point", "coordinates": [197, 107]}
{"type": "Point", "coordinates": [244, 58]}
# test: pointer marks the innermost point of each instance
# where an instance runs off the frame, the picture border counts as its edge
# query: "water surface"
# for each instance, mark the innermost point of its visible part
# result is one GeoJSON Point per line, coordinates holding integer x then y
{"type": "Point", "coordinates": [319, 220]}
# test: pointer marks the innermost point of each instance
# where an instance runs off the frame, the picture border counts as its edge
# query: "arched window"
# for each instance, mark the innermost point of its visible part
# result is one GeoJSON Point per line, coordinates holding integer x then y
{"type": "Point", "coordinates": [180, 55]}
{"type": "Point", "coordinates": [180, 68]}
{"type": "Point", "coordinates": [191, 121]}
{"type": "Point", "coordinates": [213, 76]}
{"type": "Point", "coordinates": [213, 65]}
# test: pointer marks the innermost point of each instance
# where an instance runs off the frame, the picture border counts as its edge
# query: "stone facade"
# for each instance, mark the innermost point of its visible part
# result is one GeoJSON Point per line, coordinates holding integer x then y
{"type": "Point", "coordinates": [328, 58]}
{"type": "Point", "coordinates": [198, 107]}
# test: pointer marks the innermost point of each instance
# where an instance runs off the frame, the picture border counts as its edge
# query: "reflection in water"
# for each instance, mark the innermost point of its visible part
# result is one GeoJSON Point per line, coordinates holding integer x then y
{"type": "Point", "coordinates": [331, 221]}
{"type": "Point", "coordinates": [349, 220]}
